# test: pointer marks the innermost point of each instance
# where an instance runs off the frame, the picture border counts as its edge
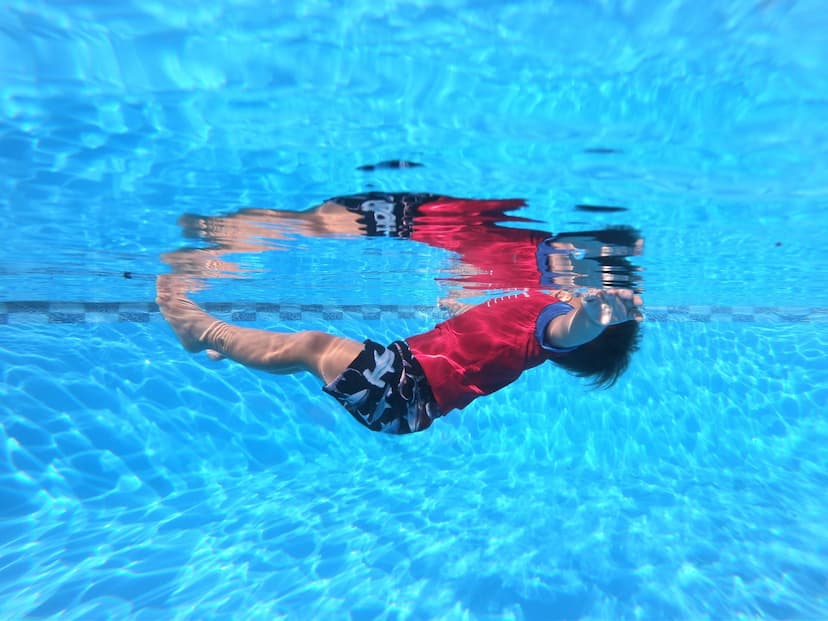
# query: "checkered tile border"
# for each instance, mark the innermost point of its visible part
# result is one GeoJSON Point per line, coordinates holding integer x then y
{"type": "Point", "coordinates": [144, 312]}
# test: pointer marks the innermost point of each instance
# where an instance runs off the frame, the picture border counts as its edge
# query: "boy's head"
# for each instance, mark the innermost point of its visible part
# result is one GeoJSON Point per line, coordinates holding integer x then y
{"type": "Point", "coordinates": [606, 357]}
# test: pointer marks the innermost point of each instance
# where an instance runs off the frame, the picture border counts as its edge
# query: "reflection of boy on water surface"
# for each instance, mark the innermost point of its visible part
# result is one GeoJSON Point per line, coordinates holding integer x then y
{"type": "Point", "coordinates": [403, 387]}
{"type": "Point", "coordinates": [504, 257]}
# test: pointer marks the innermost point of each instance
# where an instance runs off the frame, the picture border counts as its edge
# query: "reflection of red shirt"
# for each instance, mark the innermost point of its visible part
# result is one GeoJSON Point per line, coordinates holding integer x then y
{"type": "Point", "coordinates": [505, 257]}
{"type": "Point", "coordinates": [485, 348]}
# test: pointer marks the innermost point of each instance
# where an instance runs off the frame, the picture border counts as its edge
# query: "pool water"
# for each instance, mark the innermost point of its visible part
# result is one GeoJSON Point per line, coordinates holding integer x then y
{"type": "Point", "coordinates": [138, 481]}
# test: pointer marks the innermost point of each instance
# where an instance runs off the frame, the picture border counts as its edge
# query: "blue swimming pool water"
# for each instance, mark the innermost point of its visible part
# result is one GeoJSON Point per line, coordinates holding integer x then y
{"type": "Point", "coordinates": [139, 482]}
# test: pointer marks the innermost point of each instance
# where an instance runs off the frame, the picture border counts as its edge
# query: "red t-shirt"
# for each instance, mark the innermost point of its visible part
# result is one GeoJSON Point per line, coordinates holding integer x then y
{"type": "Point", "coordinates": [486, 348]}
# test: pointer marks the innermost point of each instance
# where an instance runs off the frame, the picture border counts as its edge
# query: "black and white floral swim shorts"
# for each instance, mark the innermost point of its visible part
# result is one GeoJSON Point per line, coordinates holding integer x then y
{"type": "Point", "coordinates": [385, 389]}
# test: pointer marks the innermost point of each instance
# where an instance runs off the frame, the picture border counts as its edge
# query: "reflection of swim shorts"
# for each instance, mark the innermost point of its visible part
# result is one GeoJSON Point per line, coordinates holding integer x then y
{"type": "Point", "coordinates": [385, 213]}
{"type": "Point", "coordinates": [385, 389]}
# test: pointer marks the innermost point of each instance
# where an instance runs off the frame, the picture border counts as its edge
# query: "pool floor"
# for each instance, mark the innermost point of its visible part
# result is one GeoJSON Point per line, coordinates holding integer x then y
{"type": "Point", "coordinates": [141, 482]}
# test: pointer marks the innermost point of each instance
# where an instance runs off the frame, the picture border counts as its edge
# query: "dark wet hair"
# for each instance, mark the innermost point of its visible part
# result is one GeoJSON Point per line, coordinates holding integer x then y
{"type": "Point", "coordinates": [605, 358]}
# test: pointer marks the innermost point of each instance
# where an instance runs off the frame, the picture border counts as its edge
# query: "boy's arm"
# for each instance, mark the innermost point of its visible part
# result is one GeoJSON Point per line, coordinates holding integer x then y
{"type": "Point", "coordinates": [591, 313]}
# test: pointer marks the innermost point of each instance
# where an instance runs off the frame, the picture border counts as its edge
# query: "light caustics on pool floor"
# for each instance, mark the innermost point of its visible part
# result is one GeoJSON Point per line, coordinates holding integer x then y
{"type": "Point", "coordinates": [40, 312]}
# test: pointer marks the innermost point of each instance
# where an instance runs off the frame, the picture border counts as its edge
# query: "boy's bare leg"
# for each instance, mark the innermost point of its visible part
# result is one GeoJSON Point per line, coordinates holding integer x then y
{"type": "Point", "coordinates": [320, 353]}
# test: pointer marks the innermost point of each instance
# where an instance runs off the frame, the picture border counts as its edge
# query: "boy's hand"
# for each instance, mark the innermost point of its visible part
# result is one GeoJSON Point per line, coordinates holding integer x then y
{"type": "Point", "coordinates": [607, 307]}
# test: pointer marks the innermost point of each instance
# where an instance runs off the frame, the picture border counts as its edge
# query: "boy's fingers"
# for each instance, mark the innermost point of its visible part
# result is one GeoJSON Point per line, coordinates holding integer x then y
{"type": "Point", "coordinates": [629, 297]}
{"type": "Point", "coordinates": [611, 306]}
{"type": "Point", "coordinates": [627, 306]}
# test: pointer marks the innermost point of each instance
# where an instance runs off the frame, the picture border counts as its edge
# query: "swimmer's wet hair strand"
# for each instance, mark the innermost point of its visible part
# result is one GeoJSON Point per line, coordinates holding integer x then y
{"type": "Point", "coordinates": [605, 358]}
